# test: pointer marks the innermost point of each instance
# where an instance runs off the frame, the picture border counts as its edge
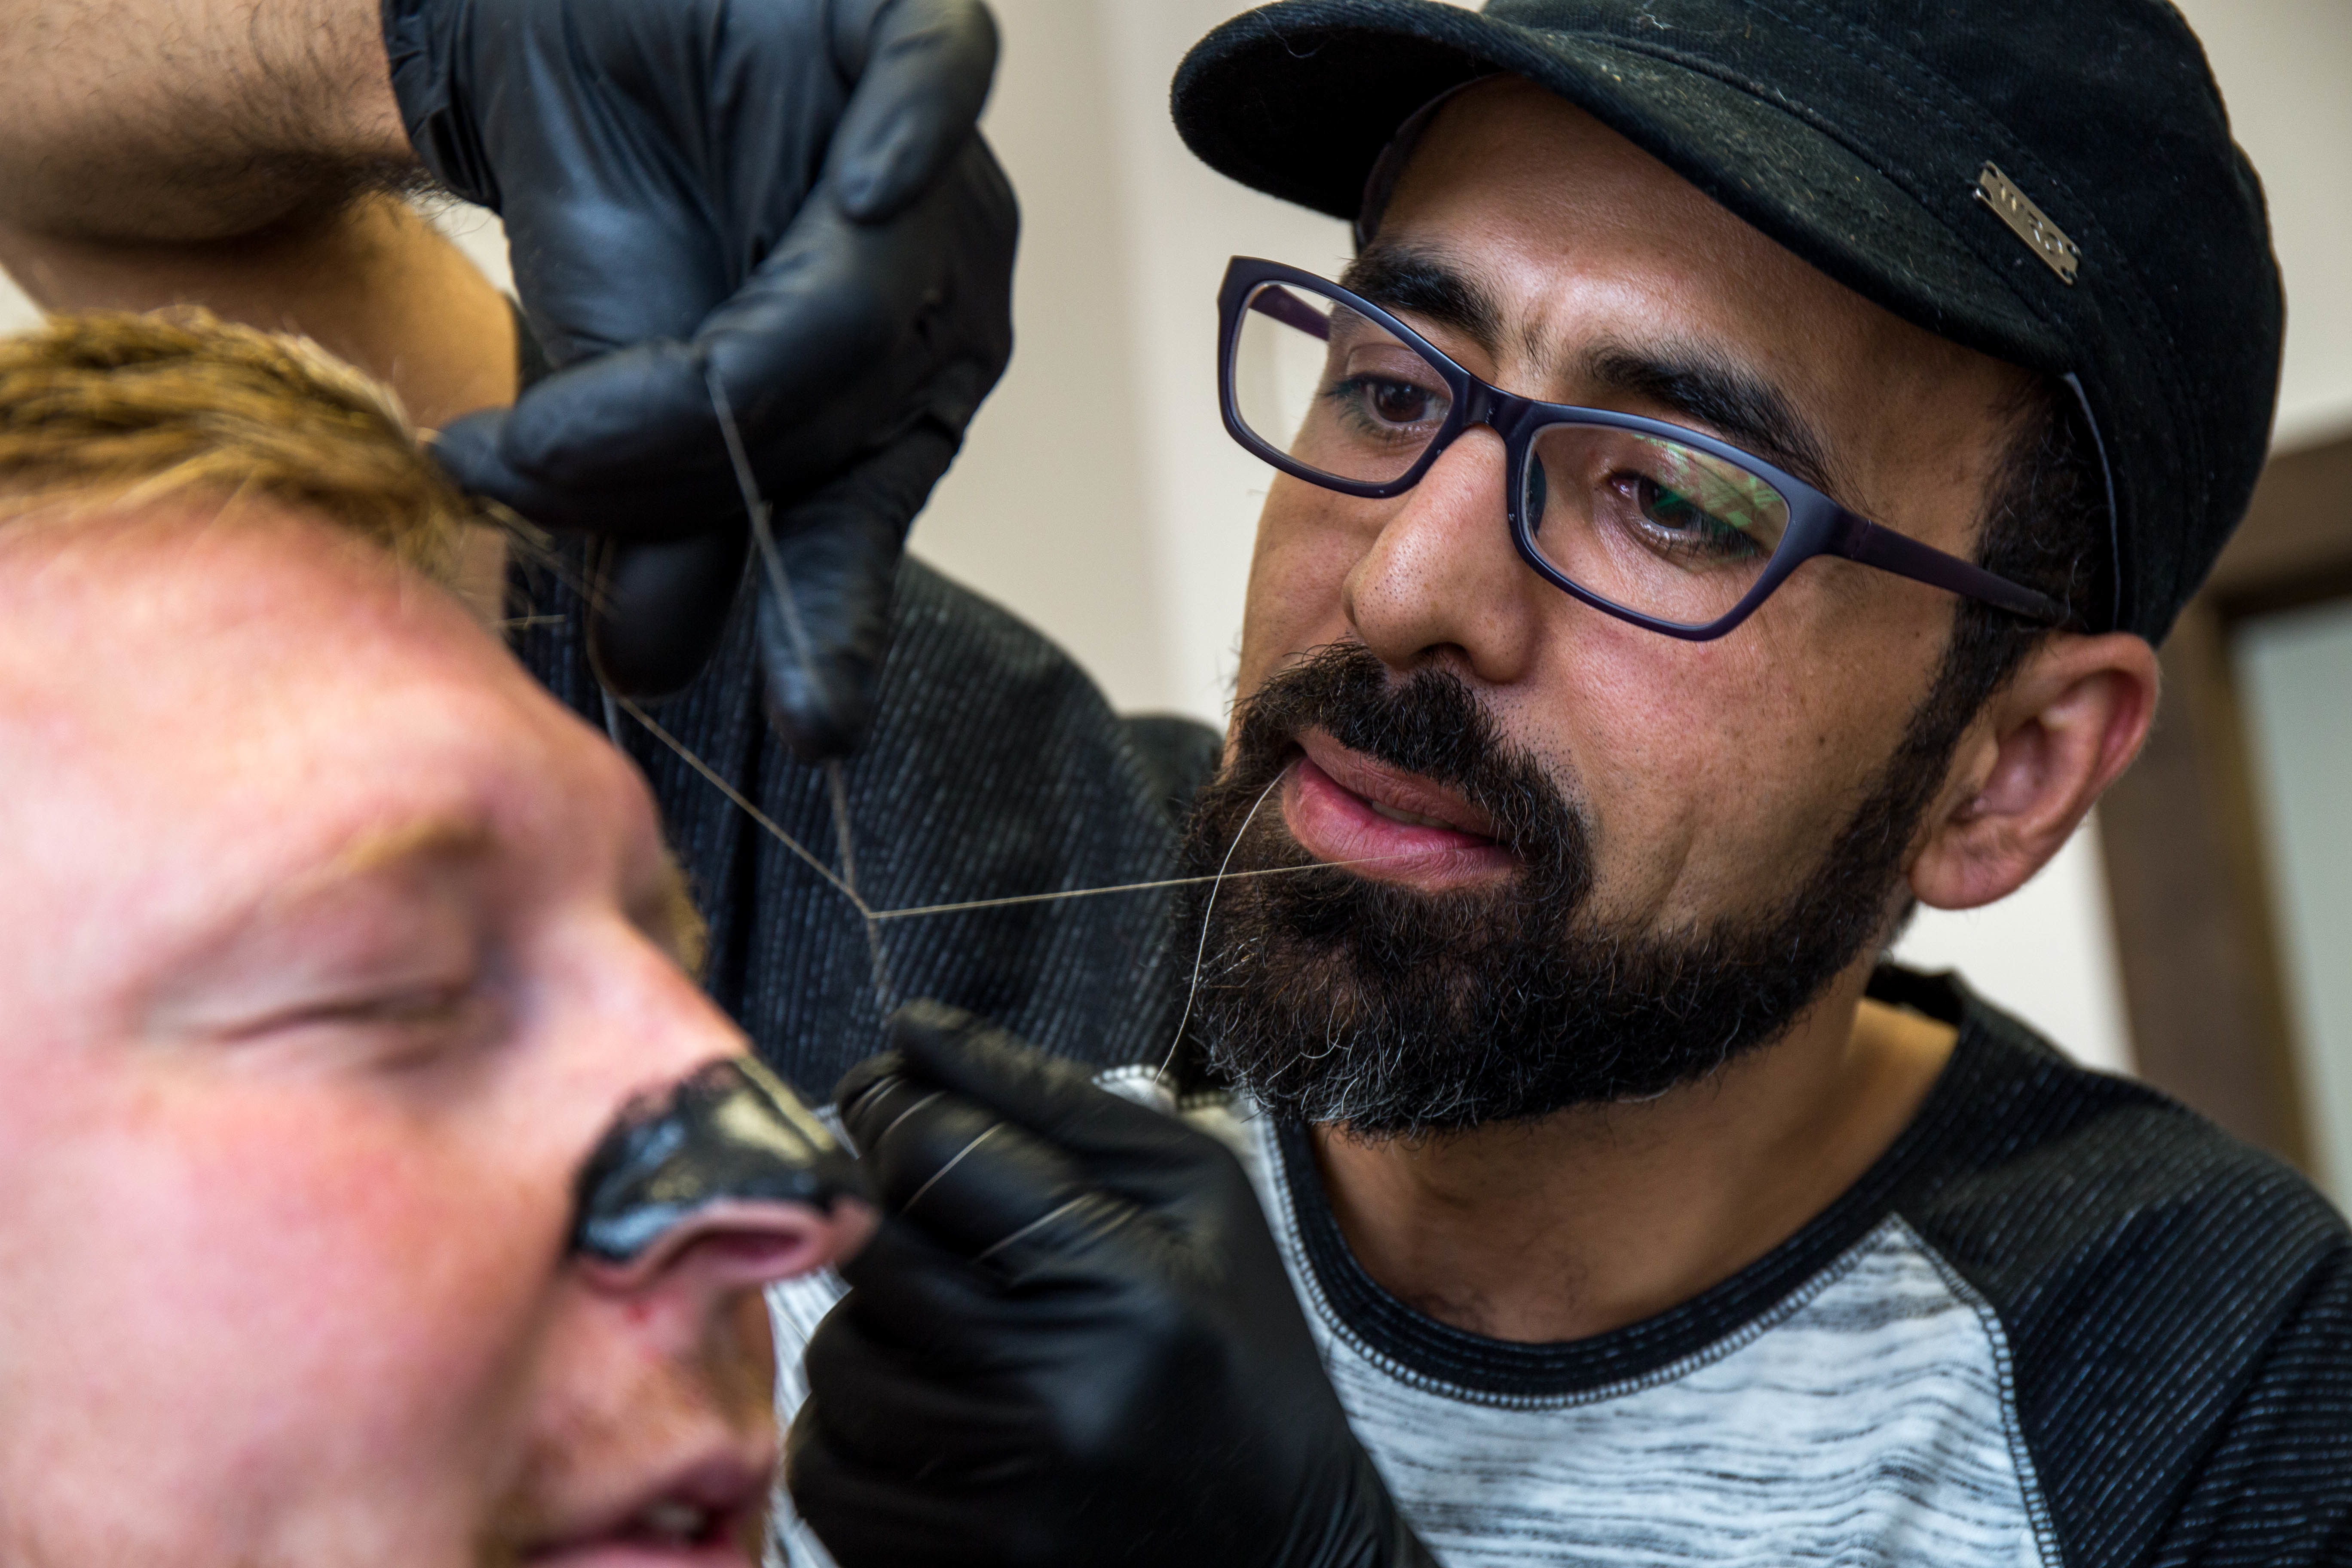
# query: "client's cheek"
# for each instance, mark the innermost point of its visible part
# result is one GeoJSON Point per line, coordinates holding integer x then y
{"type": "Point", "coordinates": [296, 1306]}
{"type": "Point", "coordinates": [1309, 541]}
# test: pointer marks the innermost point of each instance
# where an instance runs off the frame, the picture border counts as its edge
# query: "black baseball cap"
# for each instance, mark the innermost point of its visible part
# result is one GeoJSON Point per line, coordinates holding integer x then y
{"type": "Point", "coordinates": [2051, 184]}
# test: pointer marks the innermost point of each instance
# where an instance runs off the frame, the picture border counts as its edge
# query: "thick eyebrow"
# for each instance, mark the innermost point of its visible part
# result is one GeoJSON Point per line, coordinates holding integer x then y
{"type": "Point", "coordinates": [1736, 404]}
{"type": "Point", "coordinates": [1409, 281]}
{"type": "Point", "coordinates": [1687, 380]}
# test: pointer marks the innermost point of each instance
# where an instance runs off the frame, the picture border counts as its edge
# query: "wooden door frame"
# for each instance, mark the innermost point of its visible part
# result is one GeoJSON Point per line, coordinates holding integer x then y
{"type": "Point", "coordinates": [2187, 880]}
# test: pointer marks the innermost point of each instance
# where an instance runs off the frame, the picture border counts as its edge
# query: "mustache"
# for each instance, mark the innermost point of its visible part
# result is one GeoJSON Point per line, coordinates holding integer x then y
{"type": "Point", "coordinates": [1429, 723]}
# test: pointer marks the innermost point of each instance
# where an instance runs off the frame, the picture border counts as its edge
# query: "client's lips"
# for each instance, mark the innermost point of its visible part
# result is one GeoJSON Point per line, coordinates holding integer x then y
{"type": "Point", "coordinates": [705, 1515]}
{"type": "Point", "coordinates": [1344, 807]}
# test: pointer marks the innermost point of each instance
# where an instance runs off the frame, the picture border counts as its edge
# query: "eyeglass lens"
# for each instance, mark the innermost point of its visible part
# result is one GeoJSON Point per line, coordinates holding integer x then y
{"type": "Point", "coordinates": [1645, 521]}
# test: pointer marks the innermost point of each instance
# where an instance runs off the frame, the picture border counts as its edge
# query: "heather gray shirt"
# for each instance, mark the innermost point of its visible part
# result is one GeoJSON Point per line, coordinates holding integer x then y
{"type": "Point", "coordinates": [2063, 1320]}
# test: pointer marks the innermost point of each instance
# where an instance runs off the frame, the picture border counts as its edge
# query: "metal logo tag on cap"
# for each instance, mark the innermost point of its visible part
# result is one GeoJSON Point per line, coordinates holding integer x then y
{"type": "Point", "coordinates": [2028, 222]}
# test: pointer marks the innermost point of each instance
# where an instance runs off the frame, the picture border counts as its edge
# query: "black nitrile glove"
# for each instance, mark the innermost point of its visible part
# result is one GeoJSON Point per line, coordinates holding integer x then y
{"type": "Point", "coordinates": [1072, 1343]}
{"type": "Point", "coordinates": [786, 196]}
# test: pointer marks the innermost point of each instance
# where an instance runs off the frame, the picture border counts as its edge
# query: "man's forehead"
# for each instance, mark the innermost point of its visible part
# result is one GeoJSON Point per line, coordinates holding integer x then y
{"type": "Point", "coordinates": [1594, 272]}
{"type": "Point", "coordinates": [1506, 135]}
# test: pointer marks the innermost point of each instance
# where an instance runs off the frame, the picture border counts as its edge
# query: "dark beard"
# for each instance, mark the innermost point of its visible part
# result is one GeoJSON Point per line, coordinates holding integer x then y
{"type": "Point", "coordinates": [1332, 998]}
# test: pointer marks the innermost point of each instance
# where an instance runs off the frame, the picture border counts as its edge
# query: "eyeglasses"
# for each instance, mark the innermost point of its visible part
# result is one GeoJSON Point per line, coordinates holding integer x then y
{"type": "Point", "coordinates": [1667, 528]}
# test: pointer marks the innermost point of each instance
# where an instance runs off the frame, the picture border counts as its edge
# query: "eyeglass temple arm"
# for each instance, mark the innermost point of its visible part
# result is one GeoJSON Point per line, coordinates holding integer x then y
{"type": "Point", "coordinates": [1871, 545]}
{"type": "Point", "coordinates": [1287, 308]}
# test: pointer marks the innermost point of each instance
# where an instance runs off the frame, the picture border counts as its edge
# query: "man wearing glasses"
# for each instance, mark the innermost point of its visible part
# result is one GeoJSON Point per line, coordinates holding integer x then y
{"type": "Point", "coordinates": [1731, 497]}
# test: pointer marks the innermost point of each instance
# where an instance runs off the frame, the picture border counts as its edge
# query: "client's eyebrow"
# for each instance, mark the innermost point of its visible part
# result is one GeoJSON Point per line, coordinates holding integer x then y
{"type": "Point", "coordinates": [666, 912]}
{"type": "Point", "coordinates": [676, 921]}
{"type": "Point", "coordinates": [430, 839]}
{"type": "Point", "coordinates": [1692, 385]}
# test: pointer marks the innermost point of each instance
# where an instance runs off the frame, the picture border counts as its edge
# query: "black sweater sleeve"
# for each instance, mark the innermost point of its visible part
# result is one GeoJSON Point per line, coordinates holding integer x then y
{"type": "Point", "coordinates": [2179, 1309]}
{"type": "Point", "coordinates": [2276, 1486]}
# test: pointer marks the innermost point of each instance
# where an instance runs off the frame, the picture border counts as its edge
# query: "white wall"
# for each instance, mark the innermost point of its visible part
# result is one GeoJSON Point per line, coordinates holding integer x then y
{"type": "Point", "coordinates": [1109, 192]}
{"type": "Point", "coordinates": [2285, 70]}
{"type": "Point", "coordinates": [1100, 496]}
{"type": "Point", "coordinates": [2295, 671]}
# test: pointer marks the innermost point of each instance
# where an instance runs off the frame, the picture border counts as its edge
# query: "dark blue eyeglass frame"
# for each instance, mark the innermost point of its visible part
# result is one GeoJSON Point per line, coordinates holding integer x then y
{"type": "Point", "coordinates": [1817, 524]}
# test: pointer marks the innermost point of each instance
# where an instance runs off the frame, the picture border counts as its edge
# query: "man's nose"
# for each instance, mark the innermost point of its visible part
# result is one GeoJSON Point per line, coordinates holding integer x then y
{"type": "Point", "coordinates": [723, 1182]}
{"type": "Point", "coordinates": [1443, 574]}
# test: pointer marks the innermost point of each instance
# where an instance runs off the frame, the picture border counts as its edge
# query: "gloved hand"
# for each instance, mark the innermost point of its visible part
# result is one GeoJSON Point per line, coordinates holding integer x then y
{"type": "Point", "coordinates": [1073, 1342]}
{"type": "Point", "coordinates": [786, 196]}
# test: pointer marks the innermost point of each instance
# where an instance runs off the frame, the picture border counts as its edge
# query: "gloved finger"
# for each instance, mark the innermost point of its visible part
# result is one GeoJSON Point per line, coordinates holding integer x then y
{"type": "Point", "coordinates": [1144, 1160]}
{"type": "Point", "coordinates": [652, 462]}
{"type": "Point", "coordinates": [1057, 1099]}
{"type": "Point", "coordinates": [1010, 1211]}
{"type": "Point", "coordinates": [817, 315]}
{"type": "Point", "coordinates": [884, 1069]}
{"type": "Point", "coordinates": [820, 649]}
{"type": "Point", "coordinates": [873, 1097]}
{"type": "Point", "coordinates": [658, 607]}
{"type": "Point", "coordinates": [888, 1409]}
{"type": "Point", "coordinates": [627, 506]}
{"type": "Point", "coordinates": [840, 550]}
{"type": "Point", "coordinates": [934, 1309]}
{"type": "Point", "coordinates": [874, 1517]}
{"type": "Point", "coordinates": [966, 1176]}
{"type": "Point", "coordinates": [923, 69]}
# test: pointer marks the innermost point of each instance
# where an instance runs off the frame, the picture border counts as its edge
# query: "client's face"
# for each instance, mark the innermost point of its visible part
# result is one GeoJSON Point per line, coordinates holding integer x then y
{"type": "Point", "coordinates": [330, 947]}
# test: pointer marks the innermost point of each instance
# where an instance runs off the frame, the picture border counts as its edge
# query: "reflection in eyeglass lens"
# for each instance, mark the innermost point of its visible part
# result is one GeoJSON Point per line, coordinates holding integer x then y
{"type": "Point", "coordinates": [1650, 523]}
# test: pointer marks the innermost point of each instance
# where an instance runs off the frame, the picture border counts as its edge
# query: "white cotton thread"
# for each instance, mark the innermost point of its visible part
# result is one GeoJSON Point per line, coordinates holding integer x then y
{"type": "Point", "coordinates": [1202, 949]}
{"type": "Point", "coordinates": [837, 787]}
{"type": "Point", "coordinates": [867, 912]}
{"type": "Point", "coordinates": [781, 588]}
{"type": "Point", "coordinates": [845, 882]}
{"type": "Point", "coordinates": [743, 805]}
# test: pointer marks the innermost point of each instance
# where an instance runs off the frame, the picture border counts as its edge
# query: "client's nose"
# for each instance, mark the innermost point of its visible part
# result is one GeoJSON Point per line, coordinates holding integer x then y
{"type": "Point", "coordinates": [727, 1175]}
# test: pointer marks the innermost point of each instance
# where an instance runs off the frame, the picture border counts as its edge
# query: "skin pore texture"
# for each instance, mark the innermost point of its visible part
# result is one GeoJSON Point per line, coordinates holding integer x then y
{"type": "Point", "coordinates": [1714, 774]}
{"type": "Point", "coordinates": [333, 946]}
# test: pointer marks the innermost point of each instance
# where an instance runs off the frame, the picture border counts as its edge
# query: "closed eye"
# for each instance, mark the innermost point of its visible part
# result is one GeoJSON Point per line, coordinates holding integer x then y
{"type": "Point", "coordinates": [399, 1028]}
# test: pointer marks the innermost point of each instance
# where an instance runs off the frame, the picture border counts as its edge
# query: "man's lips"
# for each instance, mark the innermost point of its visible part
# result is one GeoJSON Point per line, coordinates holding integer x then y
{"type": "Point", "coordinates": [707, 1515]}
{"type": "Point", "coordinates": [1342, 806]}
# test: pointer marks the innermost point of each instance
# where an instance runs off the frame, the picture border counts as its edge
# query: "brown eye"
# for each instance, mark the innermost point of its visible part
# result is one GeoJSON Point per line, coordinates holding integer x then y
{"type": "Point", "coordinates": [1399, 403]}
{"type": "Point", "coordinates": [1672, 509]}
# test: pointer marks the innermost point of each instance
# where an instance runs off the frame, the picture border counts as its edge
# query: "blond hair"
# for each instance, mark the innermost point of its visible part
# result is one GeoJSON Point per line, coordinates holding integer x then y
{"type": "Point", "coordinates": [126, 406]}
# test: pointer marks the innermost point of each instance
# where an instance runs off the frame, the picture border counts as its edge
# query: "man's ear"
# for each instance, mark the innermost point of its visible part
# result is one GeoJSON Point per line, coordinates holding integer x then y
{"type": "Point", "coordinates": [2043, 752]}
